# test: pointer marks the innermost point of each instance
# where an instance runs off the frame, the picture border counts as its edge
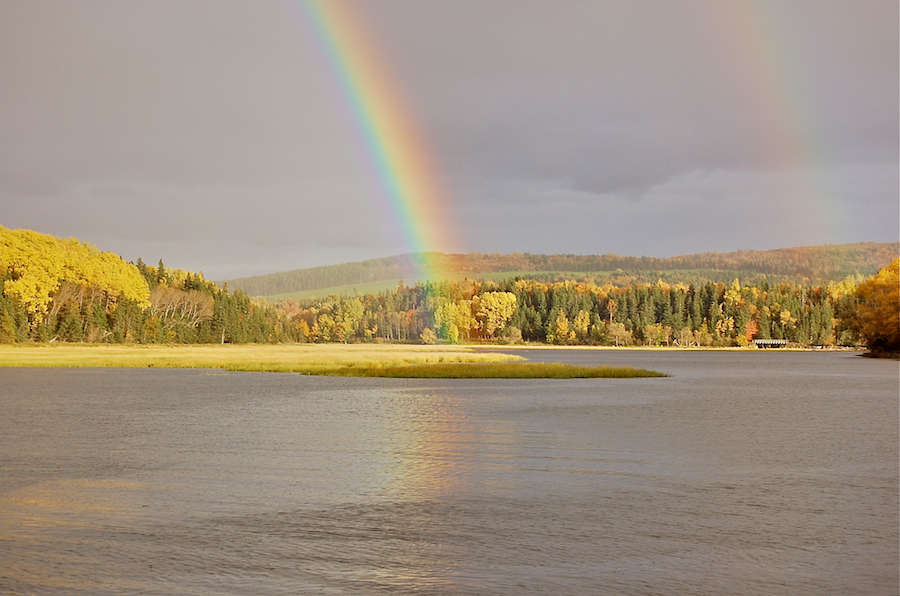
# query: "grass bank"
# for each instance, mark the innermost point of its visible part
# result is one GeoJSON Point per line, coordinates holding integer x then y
{"type": "Point", "coordinates": [359, 360]}
{"type": "Point", "coordinates": [503, 370]}
{"type": "Point", "coordinates": [302, 358]}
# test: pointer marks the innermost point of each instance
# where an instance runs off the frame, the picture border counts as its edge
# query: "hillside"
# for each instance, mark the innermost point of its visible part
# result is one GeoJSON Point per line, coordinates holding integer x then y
{"type": "Point", "coordinates": [808, 264]}
{"type": "Point", "coordinates": [64, 290]}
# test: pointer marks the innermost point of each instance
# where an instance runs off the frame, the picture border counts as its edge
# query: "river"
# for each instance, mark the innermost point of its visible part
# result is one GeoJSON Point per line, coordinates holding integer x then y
{"type": "Point", "coordinates": [742, 473]}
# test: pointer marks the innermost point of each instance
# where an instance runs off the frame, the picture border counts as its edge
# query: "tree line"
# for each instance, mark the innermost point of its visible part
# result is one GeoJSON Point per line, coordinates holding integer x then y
{"type": "Point", "coordinates": [563, 313]}
{"type": "Point", "coordinates": [843, 313]}
{"type": "Point", "coordinates": [63, 290]}
{"type": "Point", "coordinates": [54, 289]}
{"type": "Point", "coordinates": [180, 307]}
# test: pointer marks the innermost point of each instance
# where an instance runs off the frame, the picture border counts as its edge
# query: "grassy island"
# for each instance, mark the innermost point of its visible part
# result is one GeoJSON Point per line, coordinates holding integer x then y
{"type": "Point", "coordinates": [502, 370]}
{"type": "Point", "coordinates": [355, 360]}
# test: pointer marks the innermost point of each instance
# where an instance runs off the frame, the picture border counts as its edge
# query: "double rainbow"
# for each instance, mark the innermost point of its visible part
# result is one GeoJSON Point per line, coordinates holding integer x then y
{"type": "Point", "coordinates": [758, 35]}
{"type": "Point", "coordinates": [401, 162]}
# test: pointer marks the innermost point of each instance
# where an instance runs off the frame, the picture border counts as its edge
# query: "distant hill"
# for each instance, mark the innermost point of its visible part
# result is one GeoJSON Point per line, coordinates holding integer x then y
{"type": "Point", "coordinates": [807, 264]}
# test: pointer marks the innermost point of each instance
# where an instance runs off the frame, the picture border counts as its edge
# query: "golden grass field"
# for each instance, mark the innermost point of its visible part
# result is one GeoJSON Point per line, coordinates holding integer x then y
{"type": "Point", "coordinates": [313, 359]}
{"type": "Point", "coordinates": [305, 358]}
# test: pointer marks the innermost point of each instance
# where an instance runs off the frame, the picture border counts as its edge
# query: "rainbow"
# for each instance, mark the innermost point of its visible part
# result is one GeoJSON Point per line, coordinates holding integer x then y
{"type": "Point", "coordinates": [758, 35]}
{"type": "Point", "coordinates": [766, 53]}
{"type": "Point", "coordinates": [409, 186]}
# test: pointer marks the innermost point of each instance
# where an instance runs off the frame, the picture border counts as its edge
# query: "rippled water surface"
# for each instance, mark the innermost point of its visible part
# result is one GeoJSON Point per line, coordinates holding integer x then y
{"type": "Point", "coordinates": [743, 473]}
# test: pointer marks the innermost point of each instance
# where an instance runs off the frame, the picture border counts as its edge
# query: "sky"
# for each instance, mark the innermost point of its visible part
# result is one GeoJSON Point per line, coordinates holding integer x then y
{"type": "Point", "coordinates": [215, 134]}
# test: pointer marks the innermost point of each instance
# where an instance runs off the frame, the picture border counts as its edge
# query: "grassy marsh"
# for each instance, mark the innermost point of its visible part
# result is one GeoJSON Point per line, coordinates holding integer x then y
{"type": "Point", "coordinates": [358, 360]}
{"type": "Point", "coordinates": [501, 370]}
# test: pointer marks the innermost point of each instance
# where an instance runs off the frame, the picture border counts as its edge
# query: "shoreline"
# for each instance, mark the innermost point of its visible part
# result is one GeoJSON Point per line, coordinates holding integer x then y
{"type": "Point", "coordinates": [343, 360]}
{"type": "Point", "coordinates": [317, 359]}
{"type": "Point", "coordinates": [459, 348]}
{"type": "Point", "coordinates": [667, 348]}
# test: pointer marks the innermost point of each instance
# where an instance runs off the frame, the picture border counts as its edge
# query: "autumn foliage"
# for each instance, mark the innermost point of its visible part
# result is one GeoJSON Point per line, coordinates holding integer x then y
{"type": "Point", "coordinates": [877, 317]}
{"type": "Point", "coordinates": [800, 265]}
{"type": "Point", "coordinates": [54, 289]}
{"type": "Point", "coordinates": [38, 264]}
{"type": "Point", "coordinates": [64, 290]}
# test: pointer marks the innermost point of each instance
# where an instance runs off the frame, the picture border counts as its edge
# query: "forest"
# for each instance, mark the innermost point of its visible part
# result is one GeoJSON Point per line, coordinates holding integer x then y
{"type": "Point", "coordinates": [63, 290]}
{"type": "Point", "coordinates": [801, 265]}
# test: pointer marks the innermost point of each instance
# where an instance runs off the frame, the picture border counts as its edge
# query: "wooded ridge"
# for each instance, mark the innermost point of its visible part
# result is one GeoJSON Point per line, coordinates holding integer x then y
{"type": "Point", "coordinates": [808, 264]}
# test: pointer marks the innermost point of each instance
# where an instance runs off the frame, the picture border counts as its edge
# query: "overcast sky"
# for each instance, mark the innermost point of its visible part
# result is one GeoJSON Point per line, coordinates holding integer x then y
{"type": "Point", "coordinates": [210, 134]}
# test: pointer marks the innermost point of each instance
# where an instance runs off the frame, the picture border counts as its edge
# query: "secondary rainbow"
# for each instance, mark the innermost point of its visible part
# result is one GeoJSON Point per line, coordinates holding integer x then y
{"type": "Point", "coordinates": [400, 161]}
{"type": "Point", "coordinates": [767, 53]}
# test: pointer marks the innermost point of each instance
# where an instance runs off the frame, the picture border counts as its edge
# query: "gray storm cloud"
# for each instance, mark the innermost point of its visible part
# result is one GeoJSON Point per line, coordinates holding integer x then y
{"type": "Point", "coordinates": [208, 134]}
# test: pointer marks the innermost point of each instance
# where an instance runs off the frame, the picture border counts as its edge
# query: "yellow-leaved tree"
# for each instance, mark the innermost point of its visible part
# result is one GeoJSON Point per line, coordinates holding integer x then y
{"type": "Point", "coordinates": [877, 317]}
{"type": "Point", "coordinates": [455, 320]}
{"type": "Point", "coordinates": [493, 310]}
{"type": "Point", "coordinates": [40, 263]}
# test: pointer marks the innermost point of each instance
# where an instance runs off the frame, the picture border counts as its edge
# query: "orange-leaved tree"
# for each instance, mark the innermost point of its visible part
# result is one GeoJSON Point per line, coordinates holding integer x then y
{"type": "Point", "coordinates": [877, 318]}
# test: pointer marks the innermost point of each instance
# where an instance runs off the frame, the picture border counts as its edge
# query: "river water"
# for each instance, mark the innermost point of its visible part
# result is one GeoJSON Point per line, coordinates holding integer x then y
{"type": "Point", "coordinates": [742, 473]}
